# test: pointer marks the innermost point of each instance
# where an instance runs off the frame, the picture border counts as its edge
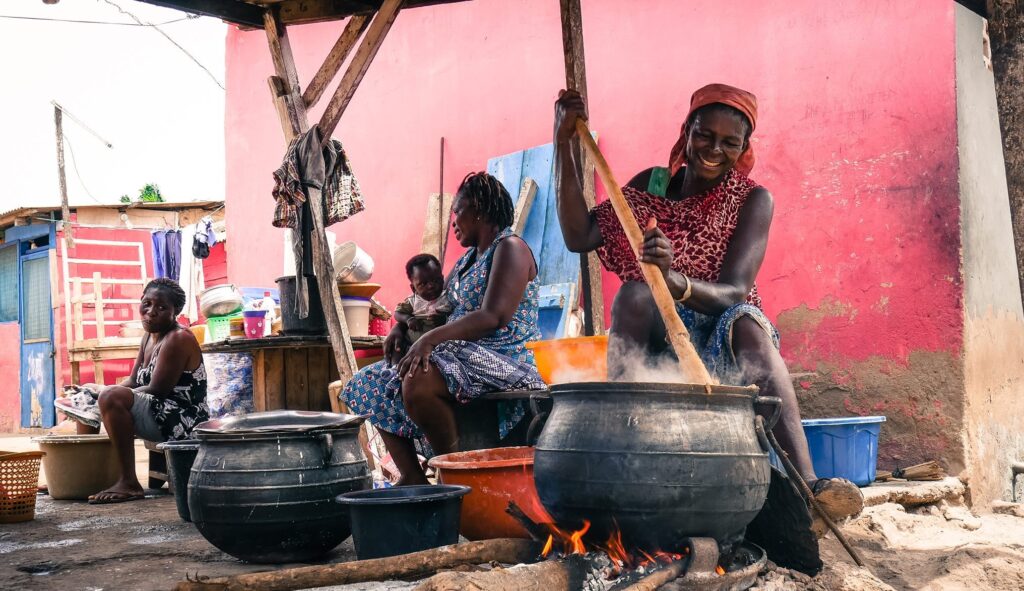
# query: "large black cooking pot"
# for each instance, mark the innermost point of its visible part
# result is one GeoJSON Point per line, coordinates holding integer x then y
{"type": "Point", "coordinates": [663, 462]}
{"type": "Point", "coordinates": [262, 488]}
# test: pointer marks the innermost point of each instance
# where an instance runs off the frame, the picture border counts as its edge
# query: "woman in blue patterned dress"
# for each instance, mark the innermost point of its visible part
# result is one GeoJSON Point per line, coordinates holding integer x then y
{"type": "Point", "coordinates": [493, 288]}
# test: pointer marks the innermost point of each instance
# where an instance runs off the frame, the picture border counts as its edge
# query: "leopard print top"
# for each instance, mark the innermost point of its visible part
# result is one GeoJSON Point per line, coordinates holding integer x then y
{"type": "Point", "coordinates": [699, 227]}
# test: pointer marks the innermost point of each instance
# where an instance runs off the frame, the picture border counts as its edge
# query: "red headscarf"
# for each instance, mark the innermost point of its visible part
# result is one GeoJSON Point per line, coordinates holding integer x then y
{"type": "Point", "coordinates": [736, 98]}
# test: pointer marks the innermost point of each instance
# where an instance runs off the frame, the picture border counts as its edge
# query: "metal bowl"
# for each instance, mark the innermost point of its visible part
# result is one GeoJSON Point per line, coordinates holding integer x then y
{"type": "Point", "coordinates": [220, 300]}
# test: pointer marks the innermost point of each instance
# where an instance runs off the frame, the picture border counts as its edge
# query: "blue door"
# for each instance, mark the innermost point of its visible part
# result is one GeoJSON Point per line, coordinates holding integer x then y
{"type": "Point", "coordinates": [37, 352]}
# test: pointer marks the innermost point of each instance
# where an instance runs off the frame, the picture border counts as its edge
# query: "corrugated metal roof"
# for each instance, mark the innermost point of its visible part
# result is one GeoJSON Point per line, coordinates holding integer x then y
{"type": "Point", "coordinates": [7, 218]}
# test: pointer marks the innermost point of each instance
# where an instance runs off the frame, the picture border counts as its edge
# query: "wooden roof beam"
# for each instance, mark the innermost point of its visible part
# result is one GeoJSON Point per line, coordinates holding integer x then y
{"type": "Point", "coordinates": [235, 11]}
{"type": "Point", "coordinates": [329, 69]}
{"type": "Point", "coordinates": [368, 47]}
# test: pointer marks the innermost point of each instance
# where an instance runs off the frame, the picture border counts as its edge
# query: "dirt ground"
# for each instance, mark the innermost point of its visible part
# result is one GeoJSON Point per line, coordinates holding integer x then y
{"type": "Point", "coordinates": [939, 545]}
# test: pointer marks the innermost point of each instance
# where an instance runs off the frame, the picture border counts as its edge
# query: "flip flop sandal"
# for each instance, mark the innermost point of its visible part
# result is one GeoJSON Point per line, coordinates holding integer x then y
{"type": "Point", "coordinates": [116, 497]}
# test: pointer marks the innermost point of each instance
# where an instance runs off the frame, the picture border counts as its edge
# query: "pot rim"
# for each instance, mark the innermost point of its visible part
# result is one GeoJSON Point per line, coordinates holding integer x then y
{"type": "Point", "coordinates": [54, 438]}
{"type": "Point", "coordinates": [269, 434]}
{"type": "Point", "coordinates": [605, 388]}
{"type": "Point", "coordinates": [378, 496]}
{"type": "Point", "coordinates": [444, 462]}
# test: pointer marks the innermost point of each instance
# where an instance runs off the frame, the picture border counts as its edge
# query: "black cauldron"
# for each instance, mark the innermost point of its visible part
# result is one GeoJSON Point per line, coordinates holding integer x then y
{"type": "Point", "coordinates": [262, 488]}
{"type": "Point", "coordinates": [660, 462]}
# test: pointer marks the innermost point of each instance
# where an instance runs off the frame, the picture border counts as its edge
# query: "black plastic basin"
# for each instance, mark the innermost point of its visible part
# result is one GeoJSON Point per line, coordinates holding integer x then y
{"type": "Point", "coordinates": [404, 519]}
{"type": "Point", "coordinates": [180, 456]}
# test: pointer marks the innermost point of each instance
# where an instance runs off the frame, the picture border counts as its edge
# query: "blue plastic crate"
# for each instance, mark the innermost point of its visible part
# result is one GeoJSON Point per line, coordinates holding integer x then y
{"type": "Point", "coordinates": [844, 447]}
{"type": "Point", "coordinates": [841, 448]}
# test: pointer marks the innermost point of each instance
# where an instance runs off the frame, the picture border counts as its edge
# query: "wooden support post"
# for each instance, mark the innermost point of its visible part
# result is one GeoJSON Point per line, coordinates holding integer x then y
{"type": "Point", "coordinates": [65, 211]}
{"type": "Point", "coordinates": [576, 79]}
{"type": "Point", "coordinates": [284, 65]}
{"type": "Point", "coordinates": [1006, 35]}
{"type": "Point", "coordinates": [368, 47]}
{"type": "Point", "coordinates": [285, 89]}
{"type": "Point", "coordinates": [353, 30]}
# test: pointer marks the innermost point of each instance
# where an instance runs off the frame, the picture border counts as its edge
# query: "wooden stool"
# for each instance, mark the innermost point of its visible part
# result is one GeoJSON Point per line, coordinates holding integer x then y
{"type": "Point", "coordinates": [157, 466]}
{"type": "Point", "coordinates": [477, 421]}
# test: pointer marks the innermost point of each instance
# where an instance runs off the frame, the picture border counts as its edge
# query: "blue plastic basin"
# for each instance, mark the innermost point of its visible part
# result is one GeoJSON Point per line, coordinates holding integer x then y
{"type": "Point", "coordinates": [844, 447]}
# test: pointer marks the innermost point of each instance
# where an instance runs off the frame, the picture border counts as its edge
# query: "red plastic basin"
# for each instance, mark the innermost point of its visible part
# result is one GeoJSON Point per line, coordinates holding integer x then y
{"type": "Point", "coordinates": [496, 476]}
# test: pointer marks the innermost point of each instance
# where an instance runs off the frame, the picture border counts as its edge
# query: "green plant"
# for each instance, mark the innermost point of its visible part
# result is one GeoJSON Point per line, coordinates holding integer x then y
{"type": "Point", "coordinates": [126, 199]}
{"type": "Point", "coordinates": [150, 193]}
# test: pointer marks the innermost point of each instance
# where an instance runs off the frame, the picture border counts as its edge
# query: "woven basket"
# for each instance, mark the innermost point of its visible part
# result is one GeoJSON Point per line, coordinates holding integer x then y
{"type": "Point", "coordinates": [19, 481]}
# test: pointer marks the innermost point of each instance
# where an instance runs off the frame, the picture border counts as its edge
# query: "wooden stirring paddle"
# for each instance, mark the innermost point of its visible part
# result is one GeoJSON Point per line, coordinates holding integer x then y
{"type": "Point", "coordinates": [689, 362]}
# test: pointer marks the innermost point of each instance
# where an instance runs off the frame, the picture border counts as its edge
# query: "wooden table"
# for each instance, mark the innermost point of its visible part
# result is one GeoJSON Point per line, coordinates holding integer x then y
{"type": "Point", "coordinates": [291, 372]}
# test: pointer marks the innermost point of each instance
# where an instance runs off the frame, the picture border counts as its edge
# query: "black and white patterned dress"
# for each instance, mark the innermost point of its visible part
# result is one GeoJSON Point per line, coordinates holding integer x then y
{"type": "Point", "coordinates": [184, 407]}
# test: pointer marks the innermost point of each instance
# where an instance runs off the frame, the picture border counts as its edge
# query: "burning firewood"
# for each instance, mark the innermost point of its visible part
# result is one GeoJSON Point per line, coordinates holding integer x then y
{"type": "Point", "coordinates": [406, 566]}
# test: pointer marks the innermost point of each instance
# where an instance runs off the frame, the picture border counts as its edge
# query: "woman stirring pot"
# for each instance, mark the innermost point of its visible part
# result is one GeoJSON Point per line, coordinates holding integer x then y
{"type": "Point", "coordinates": [706, 229]}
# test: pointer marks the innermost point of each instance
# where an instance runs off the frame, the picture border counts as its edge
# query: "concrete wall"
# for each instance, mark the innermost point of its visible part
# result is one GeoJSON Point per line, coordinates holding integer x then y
{"type": "Point", "coordinates": [993, 317]}
{"type": "Point", "coordinates": [856, 141]}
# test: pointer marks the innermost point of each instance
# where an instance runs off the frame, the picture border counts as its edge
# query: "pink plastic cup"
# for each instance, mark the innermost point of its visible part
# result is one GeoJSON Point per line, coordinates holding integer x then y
{"type": "Point", "coordinates": [253, 321]}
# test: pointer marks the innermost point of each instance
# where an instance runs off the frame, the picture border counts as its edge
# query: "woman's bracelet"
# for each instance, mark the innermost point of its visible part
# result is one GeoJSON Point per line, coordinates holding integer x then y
{"type": "Point", "coordinates": [687, 292]}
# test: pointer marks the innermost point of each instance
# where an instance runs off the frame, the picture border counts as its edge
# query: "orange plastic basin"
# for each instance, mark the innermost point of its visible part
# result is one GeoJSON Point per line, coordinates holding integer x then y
{"type": "Point", "coordinates": [579, 359]}
{"type": "Point", "coordinates": [496, 476]}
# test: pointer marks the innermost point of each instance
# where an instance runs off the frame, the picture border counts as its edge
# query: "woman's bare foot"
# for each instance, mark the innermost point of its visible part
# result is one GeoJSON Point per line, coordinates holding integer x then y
{"type": "Point", "coordinates": [121, 492]}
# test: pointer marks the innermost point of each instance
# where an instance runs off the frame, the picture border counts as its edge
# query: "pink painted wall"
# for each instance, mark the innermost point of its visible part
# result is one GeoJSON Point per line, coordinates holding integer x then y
{"type": "Point", "coordinates": [856, 140]}
{"type": "Point", "coordinates": [10, 376]}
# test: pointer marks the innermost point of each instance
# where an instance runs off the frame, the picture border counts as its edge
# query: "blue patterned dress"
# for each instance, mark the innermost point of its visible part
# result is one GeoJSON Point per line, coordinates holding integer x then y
{"type": "Point", "coordinates": [498, 362]}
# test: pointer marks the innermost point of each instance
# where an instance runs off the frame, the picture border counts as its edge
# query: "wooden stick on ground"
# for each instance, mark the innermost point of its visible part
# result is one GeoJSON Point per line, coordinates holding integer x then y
{"type": "Point", "coordinates": [551, 575]}
{"type": "Point", "coordinates": [406, 566]}
{"type": "Point", "coordinates": [794, 475]}
{"type": "Point", "coordinates": [689, 362]}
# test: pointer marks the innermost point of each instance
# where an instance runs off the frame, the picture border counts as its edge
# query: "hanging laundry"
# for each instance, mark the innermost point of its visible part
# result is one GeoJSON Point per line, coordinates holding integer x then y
{"type": "Point", "coordinates": [192, 278]}
{"type": "Point", "coordinates": [166, 253]}
{"type": "Point", "coordinates": [307, 168]}
{"type": "Point", "coordinates": [204, 238]}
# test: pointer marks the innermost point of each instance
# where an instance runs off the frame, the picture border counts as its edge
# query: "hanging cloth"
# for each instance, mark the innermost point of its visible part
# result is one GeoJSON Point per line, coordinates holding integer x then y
{"type": "Point", "coordinates": [192, 279]}
{"type": "Point", "coordinates": [308, 169]}
{"type": "Point", "coordinates": [159, 253]}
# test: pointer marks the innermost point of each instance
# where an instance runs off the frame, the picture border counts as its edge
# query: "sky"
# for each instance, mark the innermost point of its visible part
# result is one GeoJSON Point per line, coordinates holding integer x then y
{"type": "Point", "coordinates": [162, 113]}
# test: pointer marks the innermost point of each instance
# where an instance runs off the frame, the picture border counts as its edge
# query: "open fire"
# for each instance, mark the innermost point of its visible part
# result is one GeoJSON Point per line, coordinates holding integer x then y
{"type": "Point", "coordinates": [564, 543]}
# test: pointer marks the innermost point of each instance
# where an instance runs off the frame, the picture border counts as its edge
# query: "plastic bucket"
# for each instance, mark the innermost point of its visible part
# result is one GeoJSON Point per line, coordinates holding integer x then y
{"type": "Point", "coordinates": [77, 466]}
{"type": "Point", "coordinates": [254, 320]}
{"type": "Point", "coordinates": [844, 447]}
{"type": "Point", "coordinates": [352, 264]}
{"type": "Point", "coordinates": [180, 456]}
{"type": "Point", "coordinates": [496, 476]}
{"type": "Point", "coordinates": [357, 315]}
{"type": "Point", "coordinates": [404, 519]}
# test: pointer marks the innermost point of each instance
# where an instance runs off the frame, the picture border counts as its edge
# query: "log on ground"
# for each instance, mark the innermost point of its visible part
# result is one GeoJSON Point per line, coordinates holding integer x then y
{"type": "Point", "coordinates": [407, 566]}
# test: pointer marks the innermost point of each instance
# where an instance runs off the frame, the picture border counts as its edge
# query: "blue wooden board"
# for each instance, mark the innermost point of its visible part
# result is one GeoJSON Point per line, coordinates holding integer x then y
{"type": "Point", "coordinates": [542, 232]}
{"type": "Point", "coordinates": [554, 309]}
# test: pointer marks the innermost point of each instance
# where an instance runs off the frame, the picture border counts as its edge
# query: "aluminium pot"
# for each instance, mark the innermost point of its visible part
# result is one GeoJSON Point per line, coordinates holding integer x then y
{"type": "Point", "coordinates": [220, 300]}
{"type": "Point", "coordinates": [262, 487]}
{"type": "Point", "coordinates": [661, 462]}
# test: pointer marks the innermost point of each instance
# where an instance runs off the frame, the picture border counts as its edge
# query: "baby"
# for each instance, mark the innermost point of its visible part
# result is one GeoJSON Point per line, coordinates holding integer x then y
{"type": "Point", "coordinates": [427, 307]}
